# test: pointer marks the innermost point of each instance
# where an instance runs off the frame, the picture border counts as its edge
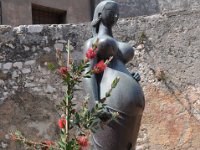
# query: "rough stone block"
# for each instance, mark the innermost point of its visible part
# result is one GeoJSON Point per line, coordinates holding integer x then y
{"type": "Point", "coordinates": [18, 65]}
{"type": "Point", "coordinates": [35, 28]}
{"type": "Point", "coordinates": [30, 62]}
{"type": "Point", "coordinates": [7, 66]}
{"type": "Point", "coordinates": [26, 70]}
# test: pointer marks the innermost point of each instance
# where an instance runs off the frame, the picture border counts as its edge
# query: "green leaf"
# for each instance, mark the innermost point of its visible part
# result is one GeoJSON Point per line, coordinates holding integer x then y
{"type": "Point", "coordinates": [18, 133]}
{"type": "Point", "coordinates": [87, 76]}
{"type": "Point", "coordinates": [62, 144]}
{"type": "Point", "coordinates": [108, 94]}
{"type": "Point", "coordinates": [86, 65]}
{"type": "Point", "coordinates": [51, 148]}
{"type": "Point", "coordinates": [51, 66]}
{"type": "Point", "coordinates": [115, 82]}
{"type": "Point", "coordinates": [95, 123]}
{"type": "Point", "coordinates": [69, 97]}
{"type": "Point", "coordinates": [63, 137]}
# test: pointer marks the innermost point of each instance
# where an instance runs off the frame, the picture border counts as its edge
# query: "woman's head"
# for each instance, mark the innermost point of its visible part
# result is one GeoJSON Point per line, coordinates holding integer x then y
{"type": "Point", "coordinates": [106, 12]}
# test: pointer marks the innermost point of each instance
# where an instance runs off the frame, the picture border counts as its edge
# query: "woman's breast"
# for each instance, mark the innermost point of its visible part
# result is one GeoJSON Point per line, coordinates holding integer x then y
{"type": "Point", "coordinates": [127, 97]}
{"type": "Point", "coordinates": [107, 46]}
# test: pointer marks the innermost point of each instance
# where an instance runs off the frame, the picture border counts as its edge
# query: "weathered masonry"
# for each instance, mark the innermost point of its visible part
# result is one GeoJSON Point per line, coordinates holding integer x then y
{"type": "Point", "coordinates": [167, 56]}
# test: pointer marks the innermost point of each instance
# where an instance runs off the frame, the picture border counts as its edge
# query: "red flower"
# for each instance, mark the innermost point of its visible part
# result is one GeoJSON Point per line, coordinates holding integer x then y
{"type": "Point", "coordinates": [91, 53]}
{"type": "Point", "coordinates": [47, 144]}
{"type": "Point", "coordinates": [61, 123]}
{"type": "Point", "coordinates": [82, 141]}
{"type": "Point", "coordinates": [63, 70]}
{"type": "Point", "coordinates": [100, 67]}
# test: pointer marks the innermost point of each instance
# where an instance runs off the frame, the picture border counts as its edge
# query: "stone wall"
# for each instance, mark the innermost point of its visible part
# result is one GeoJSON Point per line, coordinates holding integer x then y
{"type": "Point", "coordinates": [167, 57]}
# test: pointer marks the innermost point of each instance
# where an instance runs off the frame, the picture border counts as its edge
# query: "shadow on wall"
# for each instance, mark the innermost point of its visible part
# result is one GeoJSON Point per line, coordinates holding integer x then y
{"type": "Point", "coordinates": [168, 5]}
{"type": "Point", "coordinates": [131, 8]}
{"type": "Point", "coordinates": [138, 8]}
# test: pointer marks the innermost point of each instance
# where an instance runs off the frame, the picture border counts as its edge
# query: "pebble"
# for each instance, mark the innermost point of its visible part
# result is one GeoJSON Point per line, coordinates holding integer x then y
{"type": "Point", "coordinates": [30, 62]}
{"type": "Point", "coordinates": [45, 39]}
{"type": "Point", "coordinates": [15, 74]}
{"type": "Point", "coordinates": [5, 71]}
{"type": "Point", "coordinates": [25, 71]}
{"type": "Point", "coordinates": [30, 78]}
{"type": "Point", "coordinates": [142, 147]}
{"type": "Point", "coordinates": [36, 89]}
{"type": "Point", "coordinates": [33, 48]}
{"type": "Point", "coordinates": [2, 82]}
{"type": "Point", "coordinates": [1, 58]}
{"type": "Point", "coordinates": [13, 92]}
{"type": "Point", "coordinates": [62, 41]}
{"type": "Point", "coordinates": [18, 65]}
{"type": "Point", "coordinates": [50, 89]}
{"type": "Point", "coordinates": [58, 46]}
{"type": "Point", "coordinates": [5, 93]}
{"type": "Point", "coordinates": [139, 47]}
{"type": "Point", "coordinates": [7, 136]}
{"type": "Point", "coordinates": [47, 49]}
{"type": "Point", "coordinates": [15, 87]}
{"type": "Point", "coordinates": [43, 80]}
{"type": "Point", "coordinates": [26, 48]}
{"type": "Point", "coordinates": [29, 84]}
{"type": "Point", "coordinates": [132, 43]}
{"type": "Point", "coordinates": [45, 71]}
{"type": "Point", "coordinates": [7, 66]}
{"type": "Point", "coordinates": [4, 145]}
{"type": "Point", "coordinates": [10, 45]}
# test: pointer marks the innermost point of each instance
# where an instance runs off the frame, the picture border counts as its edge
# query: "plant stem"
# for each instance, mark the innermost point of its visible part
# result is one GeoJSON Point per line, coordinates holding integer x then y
{"type": "Point", "coordinates": [68, 54]}
{"type": "Point", "coordinates": [67, 98]}
{"type": "Point", "coordinates": [29, 142]}
{"type": "Point", "coordinates": [66, 117]}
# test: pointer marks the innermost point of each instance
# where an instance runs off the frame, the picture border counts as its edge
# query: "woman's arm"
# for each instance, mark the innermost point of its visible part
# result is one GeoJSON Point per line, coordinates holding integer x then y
{"type": "Point", "coordinates": [126, 52]}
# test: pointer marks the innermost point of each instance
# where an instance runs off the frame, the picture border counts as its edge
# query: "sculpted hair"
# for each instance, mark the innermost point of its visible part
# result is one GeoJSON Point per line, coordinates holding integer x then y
{"type": "Point", "coordinates": [97, 16]}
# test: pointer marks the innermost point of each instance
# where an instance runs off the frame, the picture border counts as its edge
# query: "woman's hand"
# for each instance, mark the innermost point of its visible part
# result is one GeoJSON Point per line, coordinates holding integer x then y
{"type": "Point", "coordinates": [136, 76]}
{"type": "Point", "coordinates": [105, 115]}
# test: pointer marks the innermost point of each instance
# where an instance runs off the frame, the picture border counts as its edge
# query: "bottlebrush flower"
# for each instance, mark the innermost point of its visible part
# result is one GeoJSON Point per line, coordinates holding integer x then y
{"type": "Point", "coordinates": [100, 67]}
{"type": "Point", "coordinates": [62, 123]}
{"type": "Point", "coordinates": [63, 71]}
{"type": "Point", "coordinates": [82, 141]}
{"type": "Point", "coordinates": [91, 53]}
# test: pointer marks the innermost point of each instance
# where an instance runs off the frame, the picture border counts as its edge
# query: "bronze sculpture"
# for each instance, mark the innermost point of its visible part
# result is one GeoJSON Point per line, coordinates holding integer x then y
{"type": "Point", "coordinates": [127, 98]}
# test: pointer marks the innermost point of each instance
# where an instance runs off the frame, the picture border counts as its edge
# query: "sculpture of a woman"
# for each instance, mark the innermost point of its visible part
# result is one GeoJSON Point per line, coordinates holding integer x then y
{"type": "Point", "coordinates": [127, 98]}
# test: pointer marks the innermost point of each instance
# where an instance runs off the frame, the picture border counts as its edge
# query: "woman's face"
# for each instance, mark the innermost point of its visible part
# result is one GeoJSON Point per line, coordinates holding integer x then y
{"type": "Point", "coordinates": [110, 14]}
